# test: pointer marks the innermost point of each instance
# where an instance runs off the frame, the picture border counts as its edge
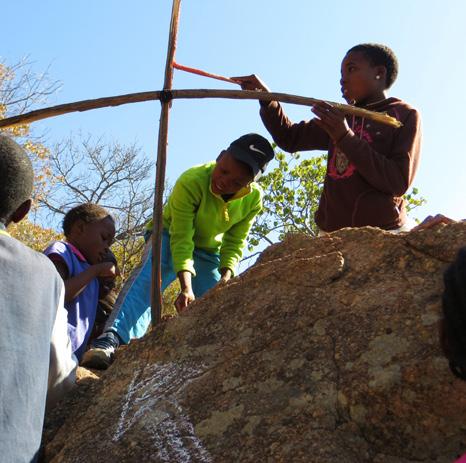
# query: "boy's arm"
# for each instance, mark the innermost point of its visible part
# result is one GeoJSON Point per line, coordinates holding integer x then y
{"type": "Point", "coordinates": [186, 295]}
{"type": "Point", "coordinates": [233, 242]}
{"type": "Point", "coordinates": [183, 205]}
{"type": "Point", "coordinates": [75, 285]}
{"type": "Point", "coordinates": [226, 274]}
{"type": "Point", "coordinates": [63, 363]}
{"type": "Point", "coordinates": [392, 175]}
{"type": "Point", "coordinates": [289, 136]}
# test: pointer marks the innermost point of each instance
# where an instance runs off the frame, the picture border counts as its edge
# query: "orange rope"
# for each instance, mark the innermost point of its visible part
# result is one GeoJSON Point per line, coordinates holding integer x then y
{"type": "Point", "coordinates": [203, 73]}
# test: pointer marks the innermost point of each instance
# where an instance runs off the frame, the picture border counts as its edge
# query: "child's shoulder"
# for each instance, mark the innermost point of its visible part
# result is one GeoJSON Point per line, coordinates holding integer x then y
{"type": "Point", "coordinates": [396, 105]}
{"type": "Point", "coordinates": [254, 196]}
{"type": "Point", "coordinates": [64, 251]}
{"type": "Point", "coordinates": [34, 261]}
{"type": "Point", "coordinates": [196, 179]}
{"type": "Point", "coordinates": [401, 111]}
{"type": "Point", "coordinates": [256, 189]}
{"type": "Point", "coordinates": [57, 247]}
{"type": "Point", "coordinates": [198, 171]}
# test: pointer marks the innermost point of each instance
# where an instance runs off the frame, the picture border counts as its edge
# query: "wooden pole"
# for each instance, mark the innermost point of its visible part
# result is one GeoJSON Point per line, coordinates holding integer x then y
{"type": "Point", "coordinates": [156, 292]}
{"type": "Point", "coordinates": [87, 105]}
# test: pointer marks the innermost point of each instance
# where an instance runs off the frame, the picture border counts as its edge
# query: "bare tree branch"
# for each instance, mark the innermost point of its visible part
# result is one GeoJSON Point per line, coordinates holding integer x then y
{"type": "Point", "coordinates": [21, 88]}
{"type": "Point", "coordinates": [85, 169]}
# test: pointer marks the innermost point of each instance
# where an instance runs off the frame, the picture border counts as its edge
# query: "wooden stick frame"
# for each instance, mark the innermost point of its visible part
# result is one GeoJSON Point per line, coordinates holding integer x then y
{"type": "Point", "coordinates": [165, 96]}
{"type": "Point", "coordinates": [157, 225]}
{"type": "Point", "coordinates": [86, 105]}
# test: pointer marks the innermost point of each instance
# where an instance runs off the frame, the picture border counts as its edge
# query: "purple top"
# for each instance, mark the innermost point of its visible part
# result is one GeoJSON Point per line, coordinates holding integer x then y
{"type": "Point", "coordinates": [81, 310]}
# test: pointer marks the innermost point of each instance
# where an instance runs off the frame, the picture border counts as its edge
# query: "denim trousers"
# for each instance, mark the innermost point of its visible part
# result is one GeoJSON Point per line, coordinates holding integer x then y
{"type": "Point", "coordinates": [131, 314]}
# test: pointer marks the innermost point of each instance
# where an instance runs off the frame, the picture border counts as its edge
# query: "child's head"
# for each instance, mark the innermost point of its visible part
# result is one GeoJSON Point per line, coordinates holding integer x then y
{"type": "Point", "coordinates": [367, 70]}
{"type": "Point", "coordinates": [244, 161]}
{"type": "Point", "coordinates": [16, 183]}
{"type": "Point", "coordinates": [91, 229]}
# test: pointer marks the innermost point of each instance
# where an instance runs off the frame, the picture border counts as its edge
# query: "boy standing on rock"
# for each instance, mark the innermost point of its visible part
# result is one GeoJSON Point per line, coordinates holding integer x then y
{"type": "Point", "coordinates": [370, 165]}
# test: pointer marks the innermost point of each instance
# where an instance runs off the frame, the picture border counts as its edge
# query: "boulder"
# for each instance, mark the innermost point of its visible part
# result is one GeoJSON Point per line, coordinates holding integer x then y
{"type": "Point", "coordinates": [325, 350]}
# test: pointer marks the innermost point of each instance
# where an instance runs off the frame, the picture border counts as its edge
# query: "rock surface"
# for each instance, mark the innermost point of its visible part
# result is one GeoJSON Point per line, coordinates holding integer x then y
{"type": "Point", "coordinates": [326, 350]}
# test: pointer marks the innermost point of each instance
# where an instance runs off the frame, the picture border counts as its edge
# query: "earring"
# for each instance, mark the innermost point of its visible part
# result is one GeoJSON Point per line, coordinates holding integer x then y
{"type": "Point", "coordinates": [377, 77]}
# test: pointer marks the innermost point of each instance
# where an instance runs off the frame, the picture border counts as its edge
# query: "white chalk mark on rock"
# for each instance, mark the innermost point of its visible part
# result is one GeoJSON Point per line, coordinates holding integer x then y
{"type": "Point", "coordinates": [119, 432]}
{"type": "Point", "coordinates": [151, 404]}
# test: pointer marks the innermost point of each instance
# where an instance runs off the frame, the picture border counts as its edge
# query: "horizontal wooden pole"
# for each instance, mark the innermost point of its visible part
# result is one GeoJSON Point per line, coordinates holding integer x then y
{"type": "Point", "coordinates": [87, 105]}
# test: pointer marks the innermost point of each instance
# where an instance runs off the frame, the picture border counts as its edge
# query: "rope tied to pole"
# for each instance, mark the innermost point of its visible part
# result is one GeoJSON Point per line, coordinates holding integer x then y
{"type": "Point", "coordinates": [166, 96]}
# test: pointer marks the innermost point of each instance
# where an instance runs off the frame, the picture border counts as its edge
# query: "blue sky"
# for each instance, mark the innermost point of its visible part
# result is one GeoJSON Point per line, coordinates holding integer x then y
{"type": "Point", "coordinates": [102, 48]}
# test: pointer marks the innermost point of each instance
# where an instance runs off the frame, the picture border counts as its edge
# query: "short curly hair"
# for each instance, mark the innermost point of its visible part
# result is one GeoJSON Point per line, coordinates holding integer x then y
{"type": "Point", "coordinates": [87, 212]}
{"type": "Point", "coordinates": [17, 178]}
{"type": "Point", "coordinates": [380, 55]}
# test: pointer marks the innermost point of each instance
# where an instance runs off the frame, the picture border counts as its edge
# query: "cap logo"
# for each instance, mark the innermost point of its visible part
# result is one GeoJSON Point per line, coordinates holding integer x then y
{"type": "Point", "coordinates": [253, 148]}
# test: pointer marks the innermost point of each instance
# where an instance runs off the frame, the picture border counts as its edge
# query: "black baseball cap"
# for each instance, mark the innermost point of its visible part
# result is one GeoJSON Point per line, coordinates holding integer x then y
{"type": "Point", "coordinates": [254, 150]}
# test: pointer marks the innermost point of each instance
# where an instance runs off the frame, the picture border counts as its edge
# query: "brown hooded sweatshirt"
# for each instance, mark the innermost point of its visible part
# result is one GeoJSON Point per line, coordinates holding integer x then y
{"type": "Point", "coordinates": [368, 170]}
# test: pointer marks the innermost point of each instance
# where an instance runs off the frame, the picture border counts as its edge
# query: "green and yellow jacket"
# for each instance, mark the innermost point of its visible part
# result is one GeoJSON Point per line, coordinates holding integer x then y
{"type": "Point", "coordinates": [197, 218]}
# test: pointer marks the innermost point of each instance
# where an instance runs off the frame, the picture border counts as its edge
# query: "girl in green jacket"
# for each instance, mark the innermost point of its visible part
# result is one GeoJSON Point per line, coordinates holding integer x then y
{"type": "Point", "coordinates": [206, 223]}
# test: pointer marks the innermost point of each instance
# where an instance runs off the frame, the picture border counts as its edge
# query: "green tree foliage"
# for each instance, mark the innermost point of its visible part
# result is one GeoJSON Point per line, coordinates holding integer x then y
{"type": "Point", "coordinates": [33, 235]}
{"type": "Point", "coordinates": [413, 199]}
{"type": "Point", "coordinates": [291, 197]}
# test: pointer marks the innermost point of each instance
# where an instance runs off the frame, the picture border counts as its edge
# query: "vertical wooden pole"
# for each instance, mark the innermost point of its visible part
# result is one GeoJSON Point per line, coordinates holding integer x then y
{"type": "Point", "coordinates": [156, 293]}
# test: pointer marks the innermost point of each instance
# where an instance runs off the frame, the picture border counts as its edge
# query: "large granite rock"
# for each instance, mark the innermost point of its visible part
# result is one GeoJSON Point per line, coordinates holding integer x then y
{"type": "Point", "coordinates": [326, 350]}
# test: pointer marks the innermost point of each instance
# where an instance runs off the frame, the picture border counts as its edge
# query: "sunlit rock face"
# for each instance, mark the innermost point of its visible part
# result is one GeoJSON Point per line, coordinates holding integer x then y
{"type": "Point", "coordinates": [326, 350]}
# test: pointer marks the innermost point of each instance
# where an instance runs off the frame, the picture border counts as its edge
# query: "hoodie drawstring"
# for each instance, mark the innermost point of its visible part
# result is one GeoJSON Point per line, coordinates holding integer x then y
{"type": "Point", "coordinates": [362, 125]}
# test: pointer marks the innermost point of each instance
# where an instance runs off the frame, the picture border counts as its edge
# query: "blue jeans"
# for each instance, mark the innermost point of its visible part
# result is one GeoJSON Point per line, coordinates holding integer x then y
{"type": "Point", "coordinates": [131, 314]}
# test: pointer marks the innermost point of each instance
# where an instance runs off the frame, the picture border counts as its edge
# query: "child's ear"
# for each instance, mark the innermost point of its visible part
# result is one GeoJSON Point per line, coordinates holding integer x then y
{"type": "Point", "coordinates": [79, 226]}
{"type": "Point", "coordinates": [22, 211]}
{"type": "Point", "coordinates": [381, 73]}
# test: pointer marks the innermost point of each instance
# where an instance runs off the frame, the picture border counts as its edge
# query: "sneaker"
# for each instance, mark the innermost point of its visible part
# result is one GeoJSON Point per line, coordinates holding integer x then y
{"type": "Point", "coordinates": [102, 350]}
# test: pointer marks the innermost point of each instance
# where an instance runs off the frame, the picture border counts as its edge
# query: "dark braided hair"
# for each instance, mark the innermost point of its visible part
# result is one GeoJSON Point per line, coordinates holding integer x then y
{"type": "Point", "coordinates": [454, 312]}
{"type": "Point", "coordinates": [17, 178]}
{"type": "Point", "coordinates": [380, 55]}
{"type": "Point", "coordinates": [87, 212]}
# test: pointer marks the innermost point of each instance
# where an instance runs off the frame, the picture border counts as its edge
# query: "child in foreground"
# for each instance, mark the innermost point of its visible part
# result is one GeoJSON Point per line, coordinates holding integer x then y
{"type": "Point", "coordinates": [206, 223]}
{"type": "Point", "coordinates": [370, 165]}
{"type": "Point", "coordinates": [89, 231]}
{"type": "Point", "coordinates": [35, 352]}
